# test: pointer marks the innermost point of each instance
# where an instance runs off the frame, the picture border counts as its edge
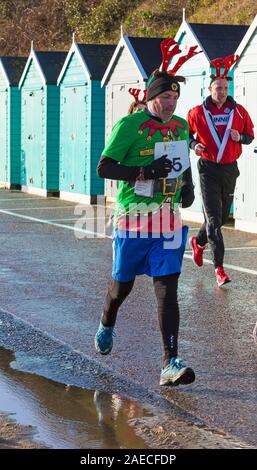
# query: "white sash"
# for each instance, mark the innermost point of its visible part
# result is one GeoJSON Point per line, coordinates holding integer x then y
{"type": "Point", "coordinates": [221, 145]}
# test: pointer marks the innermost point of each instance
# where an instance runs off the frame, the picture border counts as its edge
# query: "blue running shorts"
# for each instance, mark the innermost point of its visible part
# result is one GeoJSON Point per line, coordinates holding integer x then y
{"type": "Point", "coordinates": [152, 256]}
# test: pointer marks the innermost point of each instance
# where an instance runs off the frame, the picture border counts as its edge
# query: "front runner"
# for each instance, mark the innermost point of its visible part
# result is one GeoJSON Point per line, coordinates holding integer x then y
{"type": "Point", "coordinates": [144, 241]}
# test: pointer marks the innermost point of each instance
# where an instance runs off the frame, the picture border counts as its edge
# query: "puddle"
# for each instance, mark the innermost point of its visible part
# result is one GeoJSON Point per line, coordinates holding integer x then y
{"type": "Point", "coordinates": [66, 416]}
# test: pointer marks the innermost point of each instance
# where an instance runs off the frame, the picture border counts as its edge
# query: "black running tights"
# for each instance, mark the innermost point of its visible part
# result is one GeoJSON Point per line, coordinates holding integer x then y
{"type": "Point", "coordinates": [165, 288]}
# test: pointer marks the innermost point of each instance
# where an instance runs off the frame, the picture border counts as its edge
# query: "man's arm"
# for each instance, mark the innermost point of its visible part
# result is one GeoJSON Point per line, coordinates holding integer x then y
{"type": "Point", "coordinates": [192, 141]}
{"type": "Point", "coordinates": [111, 169]}
{"type": "Point", "coordinates": [194, 144]}
{"type": "Point", "coordinates": [247, 136]}
{"type": "Point", "coordinates": [246, 139]}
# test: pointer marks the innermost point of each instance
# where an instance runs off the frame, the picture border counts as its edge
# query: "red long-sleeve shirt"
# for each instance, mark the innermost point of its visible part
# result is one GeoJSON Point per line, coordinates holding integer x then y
{"type": "Point", "coordinates": [199, 127]}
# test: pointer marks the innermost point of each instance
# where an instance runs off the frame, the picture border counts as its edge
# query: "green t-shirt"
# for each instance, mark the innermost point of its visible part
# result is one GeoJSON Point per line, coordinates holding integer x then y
{"type": "Point", "coordinates": [132, 143]}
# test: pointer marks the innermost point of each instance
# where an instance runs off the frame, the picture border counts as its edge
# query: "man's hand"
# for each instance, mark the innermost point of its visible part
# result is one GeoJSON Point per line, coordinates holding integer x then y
{"type": "Point", "coordinates": [234, 134]}
{"type": "Point", "coordinates": [198, 149]}
{"type": "Point", "coordinates": [159, 168]}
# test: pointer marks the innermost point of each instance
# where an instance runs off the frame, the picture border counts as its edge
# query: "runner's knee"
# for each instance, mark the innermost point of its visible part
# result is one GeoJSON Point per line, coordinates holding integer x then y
{"type": "Point", "coordinates": [120, 290]}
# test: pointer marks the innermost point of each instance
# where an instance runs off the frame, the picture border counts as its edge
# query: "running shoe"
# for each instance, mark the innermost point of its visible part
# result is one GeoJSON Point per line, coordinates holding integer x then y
{"type": "Point", "coordinates": [176, 373]}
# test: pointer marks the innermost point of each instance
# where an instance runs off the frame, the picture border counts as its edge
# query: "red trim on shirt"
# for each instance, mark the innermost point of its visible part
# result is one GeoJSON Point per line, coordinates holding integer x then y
{"type": "Point", "coordinates": [198, 126]}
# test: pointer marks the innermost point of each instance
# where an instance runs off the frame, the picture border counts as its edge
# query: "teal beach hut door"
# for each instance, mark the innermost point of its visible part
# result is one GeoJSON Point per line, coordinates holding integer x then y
{"type": "Point", "coordinates": [32, 145]}
{"type": "Point", "coordinates": [73, 172]}
{"type": "Point", "coordinates": [40, 117]}
{"type": "Point", "coordinates": [82, 110]}
{"type": "Point", "coordinates": [11, 68]}
{"type": "Point", "coordinates": [3, 136]}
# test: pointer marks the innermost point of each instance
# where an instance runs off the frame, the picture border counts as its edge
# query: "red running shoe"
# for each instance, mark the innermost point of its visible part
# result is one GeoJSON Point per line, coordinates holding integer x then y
{"type": "Point", "coordinates": [221, 277]}
{"type": "Point", "coordinates": [197, 251]}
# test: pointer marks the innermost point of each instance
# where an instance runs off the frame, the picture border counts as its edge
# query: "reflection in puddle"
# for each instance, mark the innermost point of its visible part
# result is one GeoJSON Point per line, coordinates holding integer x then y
{"type": "Point", "coordinates": [67, 416]}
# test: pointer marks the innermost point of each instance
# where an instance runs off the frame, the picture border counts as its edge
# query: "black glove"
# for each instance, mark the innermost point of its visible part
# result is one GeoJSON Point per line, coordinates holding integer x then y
{"type": "Point", "coordinates": [187, 195]}
{"type": "Point", "coordinates": [159, 168]}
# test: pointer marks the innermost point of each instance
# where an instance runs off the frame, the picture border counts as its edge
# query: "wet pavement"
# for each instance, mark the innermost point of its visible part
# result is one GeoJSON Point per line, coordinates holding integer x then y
{"type": "Point", "coordinates": [67, 417]}
{"type": "Point", "coordinates": [52, 287]}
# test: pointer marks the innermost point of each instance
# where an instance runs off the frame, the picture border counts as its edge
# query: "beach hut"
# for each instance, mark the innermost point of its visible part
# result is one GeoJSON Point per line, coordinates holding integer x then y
{"type": "Point", "coordinates": [82, 121]}
{"type": "Point", "coordinates": [130, 66]}
{"type": "Point", "coordinates": [245, 78]}
{"type": "Point", "coordinates": [40, 122]}
{"type": "Point", "coordinates": [11, 69]}
{"type": "Point", "coordinates": [214, 40]}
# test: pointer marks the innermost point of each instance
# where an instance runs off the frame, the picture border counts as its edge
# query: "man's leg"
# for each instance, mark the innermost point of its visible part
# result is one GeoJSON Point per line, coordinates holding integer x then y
{"type": "Point", "coordinates": [174, 371]}
{"type": "Point", "coordinates": [228, 188]}
{"type": "Point", "coordinates": [217, 184]}
{"type": "Point", "coordinates": [201, 237]}
{"type": "Point", "coordinates": [168, 314]}
{"type": "Point", "coordinates": [116, 294]}
{"type": "Point", "coordinates": [211, 189]}
{"type": "Point", "coordinates": [229, 175]}
{"type": "Point", "coordinates": [198, 244]}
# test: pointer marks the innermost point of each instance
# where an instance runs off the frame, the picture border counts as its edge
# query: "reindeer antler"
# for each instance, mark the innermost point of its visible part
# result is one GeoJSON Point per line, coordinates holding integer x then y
{"type": "Point", "coordinates": [228, 62]}
{"type": "Point", "coordinates": [168, 53]}
{"type": "Point", "coordinates": [135, 92]}
{"type": "Point", "coordinates": [217, 64]}
{"type": "Point", "coordinates": [191, 53]}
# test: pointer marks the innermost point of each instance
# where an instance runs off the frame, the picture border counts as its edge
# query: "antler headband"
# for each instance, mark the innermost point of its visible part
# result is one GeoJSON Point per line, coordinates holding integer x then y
{"type": "Point", "coordinates": [223, 63]}
{"type": "Point", "coordinates": [169, 48]}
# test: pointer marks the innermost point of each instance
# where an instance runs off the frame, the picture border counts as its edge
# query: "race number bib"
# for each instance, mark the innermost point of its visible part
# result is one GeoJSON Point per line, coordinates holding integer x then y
{"type": "Point", "coordinates": [144, 188]}
{"type": "Point", "coordinates": [177, 153]}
